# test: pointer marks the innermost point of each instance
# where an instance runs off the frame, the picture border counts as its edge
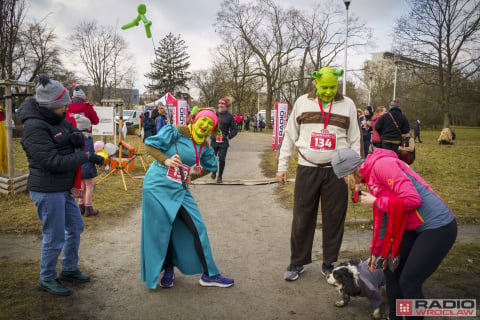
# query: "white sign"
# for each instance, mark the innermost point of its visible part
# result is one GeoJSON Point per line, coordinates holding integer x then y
{"type": "Point", "coordinates": [105, 126]}
{"type": "Point", "coordinates": [181, 112]}
{"type": "Point", "coordinates": [279, 123]}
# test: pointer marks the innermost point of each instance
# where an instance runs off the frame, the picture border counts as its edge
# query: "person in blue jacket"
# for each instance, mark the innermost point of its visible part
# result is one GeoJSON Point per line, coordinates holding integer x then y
{"type": "Point", "coordinates": [148, 125]}
{"type": "Point", "coordinates": [89, 171]}
{"type": "Point", "coordinates": [173, 231]}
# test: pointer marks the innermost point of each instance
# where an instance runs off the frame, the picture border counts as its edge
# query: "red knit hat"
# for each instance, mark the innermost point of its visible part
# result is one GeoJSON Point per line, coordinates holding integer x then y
{"type": "Point", "coordinates": [224, 101]}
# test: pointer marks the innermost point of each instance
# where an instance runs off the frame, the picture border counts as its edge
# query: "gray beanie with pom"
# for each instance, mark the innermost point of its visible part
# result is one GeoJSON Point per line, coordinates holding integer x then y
{"type": "Point", "coordinates": [50, 93]}
{"type": "Point", "coordinates": [78, 93]}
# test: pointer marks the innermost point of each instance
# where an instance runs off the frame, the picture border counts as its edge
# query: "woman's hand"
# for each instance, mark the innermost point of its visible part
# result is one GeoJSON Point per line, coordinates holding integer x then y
{"type": "Point", "coordinates": [174, 161]}
{"type": "Point", "coordinates": [367, 199]}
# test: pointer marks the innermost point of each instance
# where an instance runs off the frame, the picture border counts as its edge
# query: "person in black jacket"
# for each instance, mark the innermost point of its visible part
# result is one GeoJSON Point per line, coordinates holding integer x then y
{"type": "Point", "coordinates": [220, 143]}
{"type": "Point", "coordinates": [389, 132]}
{"type": "Point", "coordinates": [50, 142]}
{"type": "Point", "coordinates": [148, 125]}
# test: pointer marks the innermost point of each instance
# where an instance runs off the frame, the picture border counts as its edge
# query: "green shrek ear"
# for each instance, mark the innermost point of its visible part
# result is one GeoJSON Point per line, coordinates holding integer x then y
{"type": "Point", "coordinates": [338, 72]}
{"type": "Point", "coordinates": [318, 74]}
{"type": "Point", "coordinates": [195, 110]}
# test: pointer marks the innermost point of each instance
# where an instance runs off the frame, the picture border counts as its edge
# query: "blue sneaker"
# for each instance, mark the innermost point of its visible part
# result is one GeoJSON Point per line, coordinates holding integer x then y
{"type": "Point", "coordinates": [167, 279]}
{"type": "Point", "coordinates": [216, 281]}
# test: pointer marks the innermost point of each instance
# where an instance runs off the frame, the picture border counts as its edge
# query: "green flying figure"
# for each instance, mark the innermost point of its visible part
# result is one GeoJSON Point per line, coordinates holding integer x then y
{"type": "Point", "coordinates": [141, 9]}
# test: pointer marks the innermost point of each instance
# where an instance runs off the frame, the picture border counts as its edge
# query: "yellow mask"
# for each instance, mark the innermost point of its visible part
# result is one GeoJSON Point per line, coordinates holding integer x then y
{"type": "Point", "coordinates": [201, 128]}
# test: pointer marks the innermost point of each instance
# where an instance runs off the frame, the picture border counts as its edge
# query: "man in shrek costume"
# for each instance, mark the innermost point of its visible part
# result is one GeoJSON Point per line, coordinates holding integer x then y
{"type": "Point", "coordinates": [321, 122]}
{"type": "Point", "coordinates": [173, 231]}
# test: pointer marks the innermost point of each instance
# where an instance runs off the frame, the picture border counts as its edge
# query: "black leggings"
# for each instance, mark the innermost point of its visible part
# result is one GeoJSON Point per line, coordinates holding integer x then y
{"type": "Point", "coordinates": [187, 220]}
{"type": "Point", "coordinates": [420, 255]}
{"type": "Point", "coordinates": [221, 153]}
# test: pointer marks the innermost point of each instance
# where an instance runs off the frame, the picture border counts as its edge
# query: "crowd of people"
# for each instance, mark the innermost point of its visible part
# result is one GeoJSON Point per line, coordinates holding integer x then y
{"type": "Point", "coordinates": [245, 121]}
{"type": "Point", "coordinates": [413, 228]}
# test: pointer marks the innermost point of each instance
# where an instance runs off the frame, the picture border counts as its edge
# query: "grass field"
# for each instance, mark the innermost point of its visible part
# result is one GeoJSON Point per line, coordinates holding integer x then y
{"type": "Point", "coordinates": [453, 171]}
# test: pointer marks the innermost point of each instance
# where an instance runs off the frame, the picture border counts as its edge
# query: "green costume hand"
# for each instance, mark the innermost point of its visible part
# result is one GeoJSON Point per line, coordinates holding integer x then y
{"type": "Point", "coordinates": [141, 9]}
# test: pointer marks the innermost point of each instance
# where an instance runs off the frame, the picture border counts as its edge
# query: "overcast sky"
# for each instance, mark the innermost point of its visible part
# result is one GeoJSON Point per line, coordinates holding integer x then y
{"type": "Point", "coordinates": [193, 20]}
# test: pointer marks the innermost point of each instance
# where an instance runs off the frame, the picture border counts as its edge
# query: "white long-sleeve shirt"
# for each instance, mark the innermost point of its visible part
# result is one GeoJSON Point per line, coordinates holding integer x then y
{"type": "Point", "coordinates": [306, 117]}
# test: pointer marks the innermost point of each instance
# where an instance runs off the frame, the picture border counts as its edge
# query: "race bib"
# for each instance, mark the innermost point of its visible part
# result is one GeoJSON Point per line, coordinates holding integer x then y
{"type": "Point", "coordinates": [174, 173]}
{"type": "Point", "coordinates": [323, 141]}
{"type": "Point", "coordinates": [219, 139]}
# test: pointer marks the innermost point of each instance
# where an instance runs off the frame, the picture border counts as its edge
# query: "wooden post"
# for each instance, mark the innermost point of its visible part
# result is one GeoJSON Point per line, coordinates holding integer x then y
{"type": "Point", "coordinates": [12, 180]}
{"type": "Point", "coordinates": [8, 126]}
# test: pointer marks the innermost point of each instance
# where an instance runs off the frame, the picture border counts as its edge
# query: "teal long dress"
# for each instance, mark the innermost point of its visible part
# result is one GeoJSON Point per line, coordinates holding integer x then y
{"type": "Point", "coordinates": [161, 201]}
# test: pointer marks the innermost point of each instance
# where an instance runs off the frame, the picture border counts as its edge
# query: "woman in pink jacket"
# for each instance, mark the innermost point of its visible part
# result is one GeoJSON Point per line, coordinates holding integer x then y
{"type": "Point", "coordinates": [419, 226]}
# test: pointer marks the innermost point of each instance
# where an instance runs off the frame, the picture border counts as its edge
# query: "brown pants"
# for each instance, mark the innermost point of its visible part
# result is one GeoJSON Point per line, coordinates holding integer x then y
{"type": "Point", "coordinates": [312, 185]}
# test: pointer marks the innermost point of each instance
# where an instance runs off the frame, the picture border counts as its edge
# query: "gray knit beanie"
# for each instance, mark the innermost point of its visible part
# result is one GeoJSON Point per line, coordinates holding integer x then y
{"type": "Point", "coordinates": [78, 93]}
{"type": "Point", "coordinates": [345, 161]}
{"type": "Point", "coordinates": [51, 94]}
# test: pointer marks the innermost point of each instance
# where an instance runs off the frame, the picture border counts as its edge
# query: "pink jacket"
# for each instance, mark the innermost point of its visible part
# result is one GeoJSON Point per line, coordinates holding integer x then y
{"type": "Point", "coordinates": [387, 176]}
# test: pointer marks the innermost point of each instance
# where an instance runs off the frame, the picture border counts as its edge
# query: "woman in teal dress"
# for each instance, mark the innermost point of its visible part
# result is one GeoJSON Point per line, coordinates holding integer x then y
{"type": "Point", "coordinates": [173, 231]}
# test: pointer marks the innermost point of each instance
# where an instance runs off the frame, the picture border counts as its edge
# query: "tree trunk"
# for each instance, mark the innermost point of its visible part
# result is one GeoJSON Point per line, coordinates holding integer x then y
{"type": "Point", "coordinates": [446, 119]}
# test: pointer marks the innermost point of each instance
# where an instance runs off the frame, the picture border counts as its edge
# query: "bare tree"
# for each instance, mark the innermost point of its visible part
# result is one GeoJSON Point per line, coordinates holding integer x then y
{"type": "Point", "coordinates": [211, 85]}
{"type": "Point", "coordinates": [235, 59]}
{"type": "Point", "coordinates": [267, 30]}
{"type": "Point", "coordinates": [288, 44]}
{"type": "Point", "coordinates": [103, 53]}
{"type": "Point", "coordinates": [322, 33]}
{"type": "Point", "coordinates": [40, 53]}
{"type": "Point", "coordinates": [12, 14]}
{"type": "Point", "coordinates": [445, 35]}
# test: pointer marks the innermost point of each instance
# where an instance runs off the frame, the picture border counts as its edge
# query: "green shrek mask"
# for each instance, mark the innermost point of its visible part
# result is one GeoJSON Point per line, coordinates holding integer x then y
{"type": "Point", "coordinates": [326, 82]}
{"type": "Point", "coordinates": [204, 122]}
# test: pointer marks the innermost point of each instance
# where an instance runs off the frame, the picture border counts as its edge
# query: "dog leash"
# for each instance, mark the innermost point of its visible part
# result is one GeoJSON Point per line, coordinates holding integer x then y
{"type": "Point", "coordinates": [356, 232]}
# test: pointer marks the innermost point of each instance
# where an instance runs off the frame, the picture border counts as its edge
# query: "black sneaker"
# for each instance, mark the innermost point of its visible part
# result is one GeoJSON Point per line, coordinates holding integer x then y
{"type": "Point", "coordinates": [214, 175]}
{"type": "Point", "coordinates": [219, 179]}
{"type": "Point", "coordinates": [54, 287]}
{"type": "Point", "coordinates": [326, 270]}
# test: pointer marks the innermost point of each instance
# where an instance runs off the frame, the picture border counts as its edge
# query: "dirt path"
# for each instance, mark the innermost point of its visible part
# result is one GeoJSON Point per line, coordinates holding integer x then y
{"type": "Point", "coordinates": [249, 233]}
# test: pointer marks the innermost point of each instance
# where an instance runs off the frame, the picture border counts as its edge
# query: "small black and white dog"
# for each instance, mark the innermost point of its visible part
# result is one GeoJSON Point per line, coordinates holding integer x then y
{"type": "Point", "coordinates": [355, 279]}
